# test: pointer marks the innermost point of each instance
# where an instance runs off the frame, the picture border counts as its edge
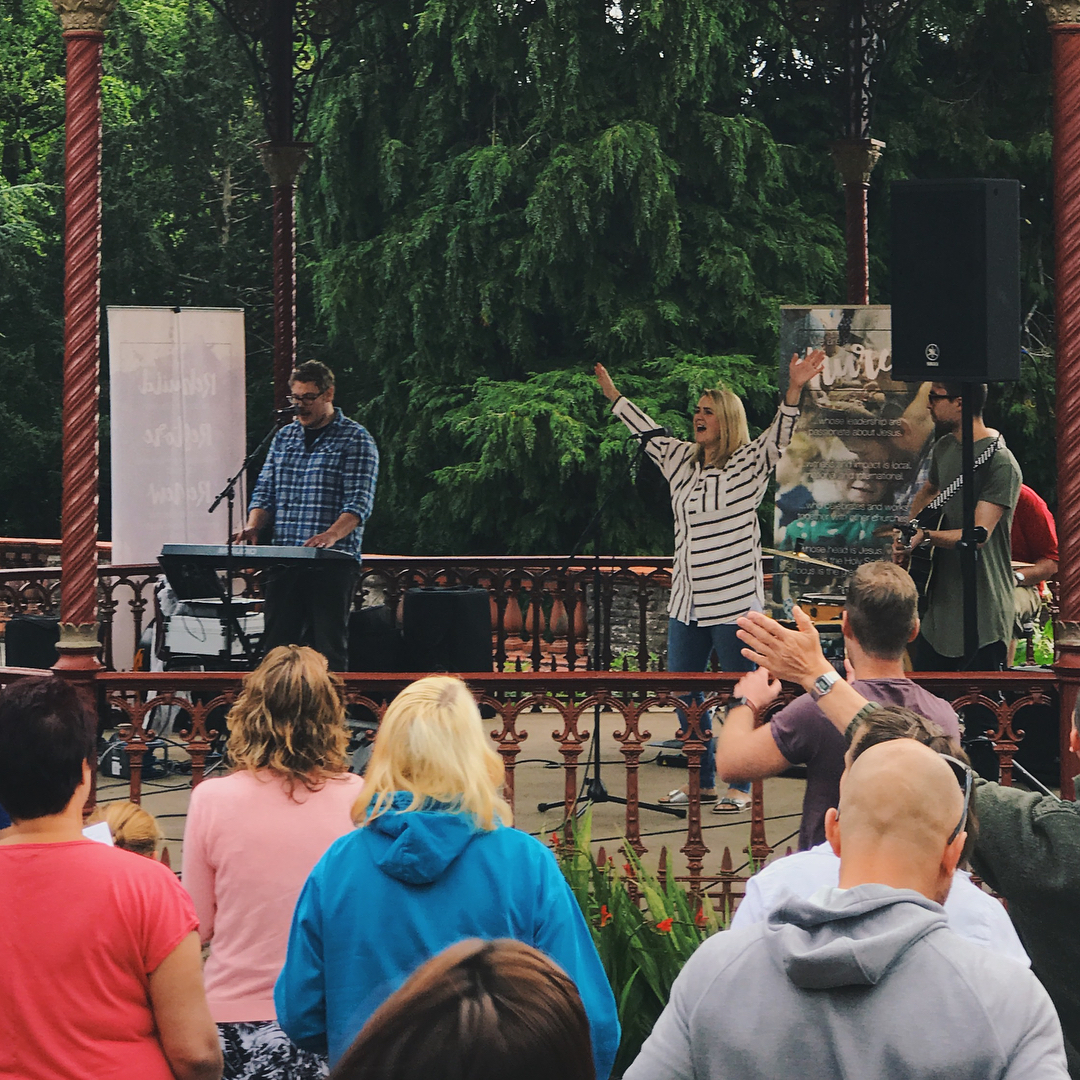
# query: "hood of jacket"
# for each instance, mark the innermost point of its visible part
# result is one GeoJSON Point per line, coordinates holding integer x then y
{"type": "Point", "coordinates": [848, 937]}
{"type": "Point", "coordinates": [417, 846]}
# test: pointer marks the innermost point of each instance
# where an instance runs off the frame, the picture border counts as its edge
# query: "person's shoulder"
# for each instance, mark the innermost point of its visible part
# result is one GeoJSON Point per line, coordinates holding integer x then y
{"type": "Point", "coordinates": [801, 873]}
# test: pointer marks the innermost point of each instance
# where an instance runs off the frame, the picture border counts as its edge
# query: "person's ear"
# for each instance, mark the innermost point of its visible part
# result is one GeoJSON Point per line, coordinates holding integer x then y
{"type": "Point", "coordinates": [832, 829]}
{"type": "Point", "coordinates": [953, 853]}
{"type": "Point", "coordinates": [845, 626]}
{"type": "Point", "coordinates": [1074, 740]}
{"type": "Point", "coordinates": [915, 630]}
{"type": "Point", "coordinates": [330, 392]}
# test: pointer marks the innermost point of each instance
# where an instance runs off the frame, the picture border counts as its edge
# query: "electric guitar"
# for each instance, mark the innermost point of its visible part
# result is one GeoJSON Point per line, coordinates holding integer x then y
{"type": "Point", "coordinates": [931, 517]}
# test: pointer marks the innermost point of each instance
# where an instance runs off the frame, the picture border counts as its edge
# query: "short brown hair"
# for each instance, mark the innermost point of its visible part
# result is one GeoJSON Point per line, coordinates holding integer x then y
{"type": "Point", "coordinates": [480, 1010]}
{"type": "Point", "coordinates": [882, 606]}
{"type": "Point", "coordinates": [290, 719]}
{"type": "Point", "coordinates": [313, 371]}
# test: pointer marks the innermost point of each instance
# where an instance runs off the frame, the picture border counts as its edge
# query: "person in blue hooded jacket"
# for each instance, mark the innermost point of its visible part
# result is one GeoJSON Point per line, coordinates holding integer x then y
{"type": "Point", "coordinates": [433, 862]}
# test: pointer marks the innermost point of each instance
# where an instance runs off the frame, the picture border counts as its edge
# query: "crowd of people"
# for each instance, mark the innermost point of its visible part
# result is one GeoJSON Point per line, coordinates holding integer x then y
{"type": "Point", "coordinates": [397, 926]}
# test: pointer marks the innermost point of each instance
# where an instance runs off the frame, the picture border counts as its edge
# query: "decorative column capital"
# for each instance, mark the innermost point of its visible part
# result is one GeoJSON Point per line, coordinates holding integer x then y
{"type": "Point", "coordinates": [283, 162]}
{"type": "Point", "coordinates": [1057, 11]}
{"type": "Point", "coordinates": [855, 158]}
{"type": "Point", "coordinates": [84, 14]}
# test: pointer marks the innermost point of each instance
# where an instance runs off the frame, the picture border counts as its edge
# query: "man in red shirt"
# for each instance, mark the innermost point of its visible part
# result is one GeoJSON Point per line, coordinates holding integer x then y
{"type": "Point", "coordinates": [1034, 542]}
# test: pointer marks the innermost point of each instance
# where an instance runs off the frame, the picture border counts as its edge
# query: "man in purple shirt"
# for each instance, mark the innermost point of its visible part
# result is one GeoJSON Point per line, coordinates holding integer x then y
{"type": "Point", "coordinates": [880, 618]}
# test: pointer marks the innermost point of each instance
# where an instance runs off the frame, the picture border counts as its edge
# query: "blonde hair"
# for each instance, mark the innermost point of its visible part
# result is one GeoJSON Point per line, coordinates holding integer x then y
{"type": "Point", "coordinates": [290, 719]}
{"type": "Point", "coordinates": [132, 827]}
{"type": "Point", "coordinates": [432, 743]}
{"type": "Point", "coordinates": [734, 431]}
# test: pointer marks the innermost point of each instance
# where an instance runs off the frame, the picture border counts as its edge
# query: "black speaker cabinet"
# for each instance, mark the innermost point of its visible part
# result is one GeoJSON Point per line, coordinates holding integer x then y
{"type": "Point", "coordinates": [447, 629]}
{"type": "Point", "coordinates": [30, 641]}
{"type": "Point", "coordinates": [956, 280]}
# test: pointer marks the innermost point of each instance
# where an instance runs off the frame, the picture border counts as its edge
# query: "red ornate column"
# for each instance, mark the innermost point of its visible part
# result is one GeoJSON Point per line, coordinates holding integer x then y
{"type": "Point", "coordinates": [283, 164]}
{"type": "Point", "coordinates": [855, 160]}
{"type": "Point", "coordinates": [1065, 32]}
{"type": "Point", "coordinates": [83, 23]}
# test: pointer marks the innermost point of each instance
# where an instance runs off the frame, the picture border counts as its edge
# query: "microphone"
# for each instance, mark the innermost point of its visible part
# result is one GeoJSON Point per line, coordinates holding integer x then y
{"type": "Point", "coordinates": [289, 410]}
{"type": "Point", "coordinates": [652, 433]}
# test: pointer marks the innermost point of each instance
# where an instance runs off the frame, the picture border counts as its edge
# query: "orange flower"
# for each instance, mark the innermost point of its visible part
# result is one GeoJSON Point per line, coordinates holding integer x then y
{"type": "Point", "coordinates": [699, 918]}
{"type": "Point", "coordinates": [605, 916]}
{"type": "Point", "coordinates": [664, 926]}
{"type": "Point", "coordinates": [555, 839]}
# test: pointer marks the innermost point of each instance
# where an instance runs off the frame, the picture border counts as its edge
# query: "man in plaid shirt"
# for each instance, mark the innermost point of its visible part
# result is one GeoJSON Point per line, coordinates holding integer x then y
{"type": "Point", "coordinates": [317, 487]}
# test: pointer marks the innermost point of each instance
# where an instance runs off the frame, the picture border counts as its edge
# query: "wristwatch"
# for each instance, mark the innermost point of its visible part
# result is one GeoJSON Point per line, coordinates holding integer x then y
{"type": "Point", "coordinates": [735, 702]}
{"type": "Point", "coordinates": [823, 684]}
{"type": "Point", "coordinates": [1019, 576]}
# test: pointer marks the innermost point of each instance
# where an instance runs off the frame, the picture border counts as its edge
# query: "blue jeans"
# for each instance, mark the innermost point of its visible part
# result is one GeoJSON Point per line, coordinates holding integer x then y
{"type": "Point", "coordinates": [689, 648]}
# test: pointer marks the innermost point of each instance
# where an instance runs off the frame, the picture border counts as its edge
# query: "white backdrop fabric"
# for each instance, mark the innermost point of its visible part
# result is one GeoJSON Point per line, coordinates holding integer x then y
{"type": "Point", "coordinates": [177, 423]}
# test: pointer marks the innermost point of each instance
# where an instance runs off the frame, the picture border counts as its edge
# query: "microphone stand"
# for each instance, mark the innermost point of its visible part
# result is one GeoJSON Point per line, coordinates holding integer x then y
{"type": "Point", "coordinates": [592, 788]}
{"type": "Point", "coordinates": [228, 494]}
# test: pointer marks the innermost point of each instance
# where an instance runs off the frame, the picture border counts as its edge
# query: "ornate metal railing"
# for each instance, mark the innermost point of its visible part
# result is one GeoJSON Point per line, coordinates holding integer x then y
{"type": "Point", "coordinates": [541, 607]}
{"type": "Point", "coordinates": [560, 707]}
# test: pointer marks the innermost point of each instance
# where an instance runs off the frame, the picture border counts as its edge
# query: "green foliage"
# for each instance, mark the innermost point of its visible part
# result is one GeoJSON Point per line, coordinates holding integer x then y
{"type": "Point", "coordinates": [1043, 651]}
{"type": "Point", "coordinates": [642, 949]}
{"type": "Point", "coordinates": [503, 196]}
{"type": "Point", "coordinates": [185, 207]}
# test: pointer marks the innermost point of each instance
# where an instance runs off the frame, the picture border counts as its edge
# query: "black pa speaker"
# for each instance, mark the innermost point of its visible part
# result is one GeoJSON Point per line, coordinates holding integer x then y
{"type": "Point", "coordinates": [447, 629]}
{"type": "Point", "coordinates": [30, 641]}
{"type": "Point", "coordinates": [956, 280]}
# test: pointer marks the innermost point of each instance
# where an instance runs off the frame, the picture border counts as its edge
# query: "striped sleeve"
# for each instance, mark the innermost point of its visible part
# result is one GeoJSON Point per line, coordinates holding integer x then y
{"type": "Point", "coordinates": [668, 452]}
{"type": "Point", "coordinates": [765, 450]}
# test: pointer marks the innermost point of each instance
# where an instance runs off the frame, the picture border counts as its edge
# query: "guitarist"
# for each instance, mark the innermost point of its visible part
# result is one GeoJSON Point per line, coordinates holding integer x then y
{"type": "Point", "coordinates": [940, 644]}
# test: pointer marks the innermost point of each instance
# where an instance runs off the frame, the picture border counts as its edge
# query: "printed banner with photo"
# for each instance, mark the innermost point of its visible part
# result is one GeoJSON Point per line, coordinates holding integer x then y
{"type": "Point", "coordinates": [860, 452]}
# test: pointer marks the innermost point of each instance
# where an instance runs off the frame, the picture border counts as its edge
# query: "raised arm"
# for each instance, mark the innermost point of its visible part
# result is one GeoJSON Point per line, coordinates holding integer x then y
{"type": "Point", "coordinates": [801, 369]}
{"type": "Point", "coordinates": [606, 385]}
{"type": "Point", "coordinates": [795, 655]}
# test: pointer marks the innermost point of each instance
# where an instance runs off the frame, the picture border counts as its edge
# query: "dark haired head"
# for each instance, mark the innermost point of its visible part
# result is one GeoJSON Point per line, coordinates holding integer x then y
{"type": "Point", "coordinates": [480, 1010]}
{"type": "Point", "coordinates": [313, 371]}
{"type": "Point", "coordinates": [895, 722]}
{"type": "Point", "coordinates": [45, 737]}
{"type": "Point", "coordinates": [975, 390]}
{"type": "Point", "coordinates": [882, 606]}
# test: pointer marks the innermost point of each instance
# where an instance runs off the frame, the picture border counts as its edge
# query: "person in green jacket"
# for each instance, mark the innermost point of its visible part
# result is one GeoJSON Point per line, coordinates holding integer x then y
{"type": "Point", "coordinates": [1028, 845]}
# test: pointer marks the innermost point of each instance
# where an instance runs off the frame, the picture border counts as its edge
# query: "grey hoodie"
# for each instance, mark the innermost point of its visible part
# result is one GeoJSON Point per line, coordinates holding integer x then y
{"type": "Point", "coordinates": [861, 984]}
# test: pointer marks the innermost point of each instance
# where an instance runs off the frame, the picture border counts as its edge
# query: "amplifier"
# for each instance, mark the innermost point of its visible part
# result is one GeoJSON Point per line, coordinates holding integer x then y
{"type": "Point", "coordinates": [204, 635]}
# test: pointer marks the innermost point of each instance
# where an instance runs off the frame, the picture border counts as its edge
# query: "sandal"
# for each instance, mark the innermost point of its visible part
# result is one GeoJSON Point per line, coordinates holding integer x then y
{"type": "Point", "coordinates": [681, 797]}
{"type": "Point", "coordinates": [729, 805]}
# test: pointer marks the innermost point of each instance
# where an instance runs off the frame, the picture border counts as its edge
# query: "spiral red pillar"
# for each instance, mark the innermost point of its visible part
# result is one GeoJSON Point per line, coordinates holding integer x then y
{"type": "Point", "coordinates": [83, 23]}
{"type": "Point", "coordinates": [855, 160]}
{"type": "Point", "coordinates": [283, 164]}
{"type": "Point", "coordinates": [1065, 31]}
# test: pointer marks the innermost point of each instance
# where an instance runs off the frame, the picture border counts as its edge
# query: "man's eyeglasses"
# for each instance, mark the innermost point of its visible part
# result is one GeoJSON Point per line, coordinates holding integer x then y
{"type": "Point", "coordinates": [941, 397]}
{"type": "Point", "coordinates": [966, 778]}
{"type": "Point", "coordinates": [304, 399]}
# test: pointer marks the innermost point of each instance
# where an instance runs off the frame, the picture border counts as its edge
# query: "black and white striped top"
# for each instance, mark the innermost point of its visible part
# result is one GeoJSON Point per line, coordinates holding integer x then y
{"type": "Point", "coordinates": [716, 575]}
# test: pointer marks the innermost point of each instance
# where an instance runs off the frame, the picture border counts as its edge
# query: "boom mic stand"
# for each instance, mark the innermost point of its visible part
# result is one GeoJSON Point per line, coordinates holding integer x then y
{"type": "Point", "coordinates": [228, 494]}
{"type": "Point", "coordinates": [593, 789]}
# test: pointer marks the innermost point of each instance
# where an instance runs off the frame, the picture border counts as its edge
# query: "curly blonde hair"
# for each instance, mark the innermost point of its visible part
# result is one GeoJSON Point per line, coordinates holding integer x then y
{"type": "Point", "coordinates": [290, 719]}
{"type": "Point", "coordinates": [432, 743]}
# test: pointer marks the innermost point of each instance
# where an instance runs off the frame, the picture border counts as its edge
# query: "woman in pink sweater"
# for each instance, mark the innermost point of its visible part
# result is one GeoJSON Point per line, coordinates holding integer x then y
{"type": "Point", "coordinates": [251, 840]}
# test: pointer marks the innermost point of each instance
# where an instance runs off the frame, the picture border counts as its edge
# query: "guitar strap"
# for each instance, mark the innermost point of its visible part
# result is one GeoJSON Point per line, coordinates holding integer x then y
{"type": "Point", "coordinates": [942, 497]}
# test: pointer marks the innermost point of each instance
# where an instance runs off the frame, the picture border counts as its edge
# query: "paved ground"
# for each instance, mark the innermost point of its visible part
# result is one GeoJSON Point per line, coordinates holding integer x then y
{"type": "Point", "coordinates": [539, 778]}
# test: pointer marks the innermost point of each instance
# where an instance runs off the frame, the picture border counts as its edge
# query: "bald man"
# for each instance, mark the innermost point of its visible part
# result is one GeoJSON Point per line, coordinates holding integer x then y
{"type": "Point", "coordinates": [863, 980]}
{"type": "Point", "coordinates": [973, 913]}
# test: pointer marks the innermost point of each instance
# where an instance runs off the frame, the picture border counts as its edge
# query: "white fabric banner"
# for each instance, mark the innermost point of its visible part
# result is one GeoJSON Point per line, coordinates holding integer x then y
{"type": "Point", "coordinates": [177, 423]}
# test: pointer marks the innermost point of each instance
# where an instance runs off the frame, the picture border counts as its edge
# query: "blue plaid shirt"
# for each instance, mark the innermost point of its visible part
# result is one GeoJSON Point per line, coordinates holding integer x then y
{"type": "Point", "coordinates": [306, 491]}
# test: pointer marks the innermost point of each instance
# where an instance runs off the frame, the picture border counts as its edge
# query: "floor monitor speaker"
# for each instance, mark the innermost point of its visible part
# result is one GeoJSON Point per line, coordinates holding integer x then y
{"type": "Point", "coordinates": [956, 280]}
{"type": "Point", "coordinates": [447, 629]}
